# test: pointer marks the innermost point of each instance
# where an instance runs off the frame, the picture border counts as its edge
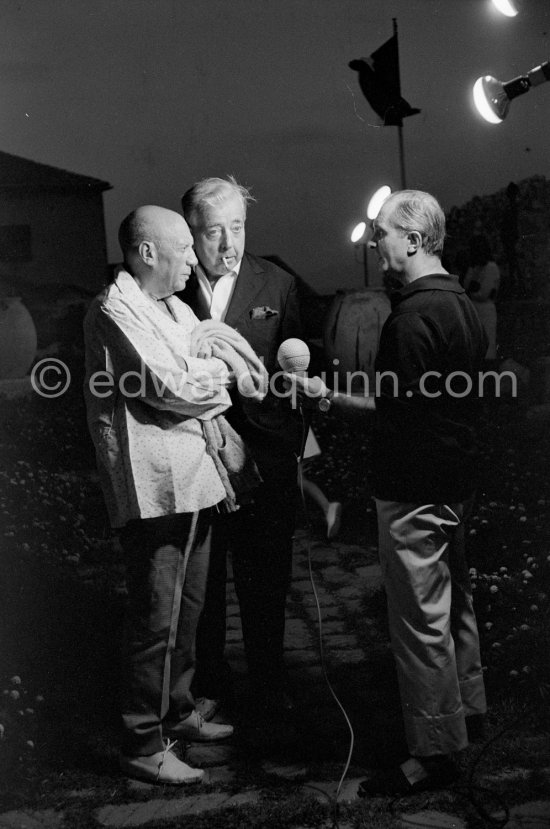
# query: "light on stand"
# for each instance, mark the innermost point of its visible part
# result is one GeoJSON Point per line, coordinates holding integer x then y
{"type": "Point", "coordinates": [358, 232]}
{"type": "Point", "coordinates": [492, 98]}
{"type": "Point", "coordinates": [506, 7]}
{"type": "Point", "coordinates": [377, 201]}
{"type": "Point", "coordinates": [358, 235]}
{"type": "Point", "coordinates": [361, 234]}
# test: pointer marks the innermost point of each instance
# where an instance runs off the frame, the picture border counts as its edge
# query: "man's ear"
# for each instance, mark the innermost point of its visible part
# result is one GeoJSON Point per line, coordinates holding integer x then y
{"type": "Point", "coordinates": [414, 242]}
{"type": "Point", "coordinates": [147, 252]}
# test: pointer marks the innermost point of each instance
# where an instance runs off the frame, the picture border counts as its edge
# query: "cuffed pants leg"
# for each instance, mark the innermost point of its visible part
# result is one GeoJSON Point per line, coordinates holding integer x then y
{"type": "Point", "coordinates": [432, 624]}
{"type": "Point", "coordinates": [167, 565]}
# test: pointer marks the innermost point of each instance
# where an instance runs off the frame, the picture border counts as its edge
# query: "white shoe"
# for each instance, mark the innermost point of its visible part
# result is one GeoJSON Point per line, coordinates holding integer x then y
{"type": "Point", "coordinates": [161, 767]}
{"type": "Point", "coordinates": [333, 518]}
{"type": "Point", "coordinates": [207, 708]}
{"type": "Point", "coordinates": [195, 729]}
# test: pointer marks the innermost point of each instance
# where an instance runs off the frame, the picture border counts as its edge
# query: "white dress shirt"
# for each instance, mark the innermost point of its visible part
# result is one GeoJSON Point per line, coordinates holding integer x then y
{"type": "Point", "coordinates": [147, 432]}
{"type": "Point", "coordinates": [218, 295]}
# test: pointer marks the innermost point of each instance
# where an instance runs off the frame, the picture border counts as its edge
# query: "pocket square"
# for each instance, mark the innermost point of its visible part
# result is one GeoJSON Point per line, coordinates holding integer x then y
{"type": "Point", "coordinates": [262, 312]}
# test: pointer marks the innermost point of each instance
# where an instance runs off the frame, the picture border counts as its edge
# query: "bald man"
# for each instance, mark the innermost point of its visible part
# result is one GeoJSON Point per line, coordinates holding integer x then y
{"type": "Point", "coordinates": [146, 399]}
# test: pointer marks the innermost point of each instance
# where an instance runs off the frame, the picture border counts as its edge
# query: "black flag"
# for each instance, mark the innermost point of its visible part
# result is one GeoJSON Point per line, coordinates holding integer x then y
{"type": "Point", "coordinates": [379, 82]}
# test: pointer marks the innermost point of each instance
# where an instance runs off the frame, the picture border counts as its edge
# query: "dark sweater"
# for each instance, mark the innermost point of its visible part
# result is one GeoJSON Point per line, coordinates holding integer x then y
{"type": "Point", "coordinates": [424, 447]}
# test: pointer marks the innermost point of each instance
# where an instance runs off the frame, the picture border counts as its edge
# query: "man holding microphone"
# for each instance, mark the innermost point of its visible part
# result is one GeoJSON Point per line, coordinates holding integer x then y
{"type": "Point", "coordinates": [431, 348]}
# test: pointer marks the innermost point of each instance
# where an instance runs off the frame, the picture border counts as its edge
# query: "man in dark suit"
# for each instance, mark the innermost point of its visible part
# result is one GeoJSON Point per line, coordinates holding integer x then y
{"type": "Point", "coordinates": [260, 301]}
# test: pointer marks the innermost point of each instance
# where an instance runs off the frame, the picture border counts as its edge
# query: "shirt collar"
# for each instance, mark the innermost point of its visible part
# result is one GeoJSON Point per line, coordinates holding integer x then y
{"type": "Point", "coordinates": [430, 282]}
{"type": "Point", "coordinates": [127, 285]}
{"type": "Point", "coordinates": [204, 281]}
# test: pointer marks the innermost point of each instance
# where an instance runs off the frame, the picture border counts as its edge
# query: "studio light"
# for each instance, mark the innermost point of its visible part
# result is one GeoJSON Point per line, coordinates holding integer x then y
{"type": "Point", "coordinates": [361, 233]}
{"type": "Point", "coordinates": [358, 232]}
{"type": "Point", "coordinates": [492, 98]}
{"type": "Point", "coordinates": [506, 7]}
{"type": "Point", "coordinates": [377, 201]}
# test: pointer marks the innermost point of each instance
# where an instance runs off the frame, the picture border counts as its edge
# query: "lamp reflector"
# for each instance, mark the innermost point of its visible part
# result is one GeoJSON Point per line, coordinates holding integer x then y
{"type": "Point", "coordinates": [377, 201]}
{"type": "Point", "coordinates": [358, 232]}
{"type": "Point", "coordinates": [506, 7]}
{"type": "Point", "coordinates": [490, 99]}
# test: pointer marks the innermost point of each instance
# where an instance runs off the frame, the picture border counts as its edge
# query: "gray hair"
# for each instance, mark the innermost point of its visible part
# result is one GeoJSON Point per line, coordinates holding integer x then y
{"type": "Point", "coordinates": [210, 192]}
{"type": "Point", "coordinates": [416, 210]}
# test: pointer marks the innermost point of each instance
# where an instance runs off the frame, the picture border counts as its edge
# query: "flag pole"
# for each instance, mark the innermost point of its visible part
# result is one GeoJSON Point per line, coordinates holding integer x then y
{"type": "Point", "coordinates": [400, 126]}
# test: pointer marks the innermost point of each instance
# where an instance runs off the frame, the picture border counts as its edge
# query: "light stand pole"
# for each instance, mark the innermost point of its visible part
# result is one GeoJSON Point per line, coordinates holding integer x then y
{"type": "Point", "coordinates": [358, 239]}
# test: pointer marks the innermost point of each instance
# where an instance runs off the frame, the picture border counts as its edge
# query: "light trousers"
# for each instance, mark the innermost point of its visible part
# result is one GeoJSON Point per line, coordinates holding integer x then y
{"type": "Point", "coordinates": [432, 623]}
{"type": "Point", "coordinates": [166, 571]}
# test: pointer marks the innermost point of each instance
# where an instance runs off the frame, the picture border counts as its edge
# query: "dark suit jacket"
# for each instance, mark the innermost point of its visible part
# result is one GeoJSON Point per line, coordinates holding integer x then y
{"type": "Point", "coordinates": [271, 428]}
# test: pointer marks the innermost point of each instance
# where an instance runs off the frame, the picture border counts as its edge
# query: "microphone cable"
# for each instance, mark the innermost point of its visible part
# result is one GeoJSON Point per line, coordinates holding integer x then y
{"type": "Point", "coordinates": [332, 799]}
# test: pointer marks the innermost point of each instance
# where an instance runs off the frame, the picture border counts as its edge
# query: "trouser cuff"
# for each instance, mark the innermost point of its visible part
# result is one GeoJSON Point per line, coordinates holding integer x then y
{"type": "Point", "coordinates": [443, 734]}
{"type": "Point", "coordinates": [472, 694]}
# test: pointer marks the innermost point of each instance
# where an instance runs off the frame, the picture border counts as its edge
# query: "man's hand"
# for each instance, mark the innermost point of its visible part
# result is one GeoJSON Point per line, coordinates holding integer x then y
{"type": "Point", "coordinates": [306, 391]}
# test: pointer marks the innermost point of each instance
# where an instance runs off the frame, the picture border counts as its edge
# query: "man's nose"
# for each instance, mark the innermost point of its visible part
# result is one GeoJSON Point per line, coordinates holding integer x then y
{"type": "Point", "coordinates": [227, 240]}
{"type": "Point", "coordinates": [192, 258]}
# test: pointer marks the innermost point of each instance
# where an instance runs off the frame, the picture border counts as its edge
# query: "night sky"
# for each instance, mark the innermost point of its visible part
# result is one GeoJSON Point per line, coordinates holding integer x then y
{"type": "Point", "coordinates": [151, 95]}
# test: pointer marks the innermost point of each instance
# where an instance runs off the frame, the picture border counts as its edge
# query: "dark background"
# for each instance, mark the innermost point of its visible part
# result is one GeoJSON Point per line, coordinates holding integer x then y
{"type": "Point", "coordinates": [150, 95]}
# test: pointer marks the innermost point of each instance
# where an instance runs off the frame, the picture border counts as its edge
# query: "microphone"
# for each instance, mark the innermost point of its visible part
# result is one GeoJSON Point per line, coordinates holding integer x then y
{"type": "Point", "coordinates": [293, 356]}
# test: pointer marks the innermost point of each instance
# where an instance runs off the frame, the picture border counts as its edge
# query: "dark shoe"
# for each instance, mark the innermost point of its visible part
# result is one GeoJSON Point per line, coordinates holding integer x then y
{"type": "Point", "coordinates": [208, 708]}
{"type": "Point", "coordinates": [410, 777]}
{"type": "Point", "coordinates": [196, 730]}
{"type": "Point", "coordinates": [271, 705]}
{"type": "Point", "coordinates": [280, 702]}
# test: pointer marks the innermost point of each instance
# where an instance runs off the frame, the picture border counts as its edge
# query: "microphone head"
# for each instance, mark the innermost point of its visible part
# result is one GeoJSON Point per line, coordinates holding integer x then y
{"type": "Point", "coordinates": [293, 355]}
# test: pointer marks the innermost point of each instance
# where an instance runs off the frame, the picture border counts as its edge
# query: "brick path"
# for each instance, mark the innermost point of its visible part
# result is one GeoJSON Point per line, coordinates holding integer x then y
{"type": "Point", "coordinates": [339, 591]}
